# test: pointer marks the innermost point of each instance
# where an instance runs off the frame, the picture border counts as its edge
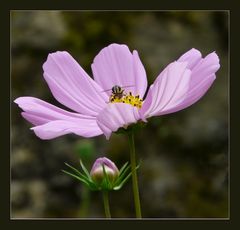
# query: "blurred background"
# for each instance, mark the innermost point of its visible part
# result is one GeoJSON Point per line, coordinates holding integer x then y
{"type": "Point", "coordinates": [184, 155]}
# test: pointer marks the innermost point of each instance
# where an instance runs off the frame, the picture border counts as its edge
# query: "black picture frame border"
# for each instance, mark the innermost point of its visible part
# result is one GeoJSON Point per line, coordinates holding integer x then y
{"type": "Point", "coordinates": [5, 97]}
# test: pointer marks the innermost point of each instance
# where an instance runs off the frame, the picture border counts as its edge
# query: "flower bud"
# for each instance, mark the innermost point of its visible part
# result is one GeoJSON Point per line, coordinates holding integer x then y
{"type": "Point", "coordinates": [97, 171]}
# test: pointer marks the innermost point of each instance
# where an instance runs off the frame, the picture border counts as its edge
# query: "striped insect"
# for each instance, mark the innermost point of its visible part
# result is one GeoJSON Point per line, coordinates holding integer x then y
{"type": "Point", "coordinates": [117, 92]}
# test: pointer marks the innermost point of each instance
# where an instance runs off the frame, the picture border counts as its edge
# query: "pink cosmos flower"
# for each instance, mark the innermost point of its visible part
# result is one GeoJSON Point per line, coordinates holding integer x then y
{"type": "Point", "coordinates": [97, 110]}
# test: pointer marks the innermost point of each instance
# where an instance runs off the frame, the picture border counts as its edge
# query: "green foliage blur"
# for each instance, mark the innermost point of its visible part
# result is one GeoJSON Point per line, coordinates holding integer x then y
{"type": "Point", "coordinates": [184, 155]}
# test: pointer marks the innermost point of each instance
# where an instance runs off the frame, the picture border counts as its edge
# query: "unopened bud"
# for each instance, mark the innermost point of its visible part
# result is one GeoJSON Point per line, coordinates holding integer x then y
{"type": "Point", "coordinates": [97, 171]}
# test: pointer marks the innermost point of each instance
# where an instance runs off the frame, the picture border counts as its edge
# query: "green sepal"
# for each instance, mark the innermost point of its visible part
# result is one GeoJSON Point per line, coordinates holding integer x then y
{"type": "Point", "coordinates": [106, 184]}
{"type": "Point", "coordinates": [122, 178]}
{"type": "Point", "coordinates": [122, 174]}
{"type": "Point", "coordinates": [119, 186]}
{"type": "Point", "coordinates": [123, 167]}
{"type": "Point", "coordinates": [83, 177]}
{"type": "Point", "coordinates": [84, 169]}
{"type": "Point", "coordinates": [77, 171]}
{"type": "Point", "coordinates": [77, 177]}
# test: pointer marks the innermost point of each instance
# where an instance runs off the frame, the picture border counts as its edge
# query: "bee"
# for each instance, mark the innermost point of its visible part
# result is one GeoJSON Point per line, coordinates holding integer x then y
{"type": "Point", "coordinates": [117, 92]}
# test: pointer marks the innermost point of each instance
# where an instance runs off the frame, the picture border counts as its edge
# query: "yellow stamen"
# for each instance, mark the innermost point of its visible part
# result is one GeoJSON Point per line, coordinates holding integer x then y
{"type": "Point", "coordinates": [135, 101]}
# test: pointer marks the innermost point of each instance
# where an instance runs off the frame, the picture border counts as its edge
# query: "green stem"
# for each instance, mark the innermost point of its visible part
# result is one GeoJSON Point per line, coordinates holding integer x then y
{"type": "Point", "coordinates": [134, 175]}
{"type": "Point", "coordinates": [106, 204]}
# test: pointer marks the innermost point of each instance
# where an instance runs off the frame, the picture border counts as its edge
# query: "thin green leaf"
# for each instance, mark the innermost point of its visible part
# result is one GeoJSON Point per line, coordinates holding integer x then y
{"type": "Point", "coordinates": [123, 167]}
{"type": "Point", "coordinates": [77, 177]}
{"type": "Point", "coordinates": [123, 182]}
{"type": "Point", "coordinates": [75, 170]}
{"type": "Point", "coordinates": [123, 174]}
{"type": "Point", "coordinates": [120, 178]}
{"type": "Point", "coordinates": [85, 170]}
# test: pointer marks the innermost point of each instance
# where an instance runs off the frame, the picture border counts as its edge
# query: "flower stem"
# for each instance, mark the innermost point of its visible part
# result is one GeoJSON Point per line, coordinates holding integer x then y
{"type": "Point", "coordinates": [134, 175]}
{"type": "Point", "coordinates": [106, 204]}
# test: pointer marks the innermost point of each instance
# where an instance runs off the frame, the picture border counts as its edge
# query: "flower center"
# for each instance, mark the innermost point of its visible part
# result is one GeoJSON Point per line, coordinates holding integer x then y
{"type": "Point", "coordinates": [128, 98]}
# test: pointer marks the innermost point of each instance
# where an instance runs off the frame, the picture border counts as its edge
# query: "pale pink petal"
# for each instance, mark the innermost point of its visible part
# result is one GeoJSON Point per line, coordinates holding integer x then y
{"type": "Point", "coordinates": [71, 85]}
{"type": "Point", "coordinates": [168, 89]}
{"type": "Point", "coordinates": [46, 116]}
{"type": "Point", "coordinates": [115, 116]}
{"type": "Point", "coordinates": [201, 67]}
{"type": "Point", "coordinates": [53, 129]}
{"type": "Point", "coordinates": [47, 111]}
{"type": "Point", "coordinates": [116, 65]}
{"type": "Point", "coordinates": [34, 119]}
{"type": "Point", "coordinates": [106, 162]}
{"type": "Point", "coordinates": [202, 76]}
{"type": "Point", "coordinates": [140, 75]}
{"type": "Point", "coordinates": [192, 57]}
{"type": "Point", "coordinates": [192, 96]}
{"type": "Point", "coordinates": [207, 67]}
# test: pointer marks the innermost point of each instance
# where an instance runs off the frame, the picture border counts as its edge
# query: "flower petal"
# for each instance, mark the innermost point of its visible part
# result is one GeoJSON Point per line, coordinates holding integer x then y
{"type": "Point", "coordinates": [116, 65]}
{"type": "Point", "coordinates": [115, 116]}
{"type": "Point", "coordinates": [41, 109]}
{"type": "Point", "coordinates": [71, 85]}
{"type": "Point", "coordinates": [140, 75]}
{"type": "Point", "coordinates": [168, 89]}
{"type": "Point", "coordinates": [193, 95]}
{"type": "Point", "coordinates": [206, 67]}
{"type": "Point", "coordinates": [53, 129]}
{"type": "Point", "coordinates": [192, 57]}
{"type": "Point", "coordinates": [46, 116]}
{"type": "Point", "coordinates": [104, 161]}
{"type": "Point", "coordinates": [202, 76]}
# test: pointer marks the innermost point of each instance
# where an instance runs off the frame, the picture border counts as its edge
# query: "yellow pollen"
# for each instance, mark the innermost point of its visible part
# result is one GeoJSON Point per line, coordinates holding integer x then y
{"type": "Point", "coordinates": [135, 101]}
